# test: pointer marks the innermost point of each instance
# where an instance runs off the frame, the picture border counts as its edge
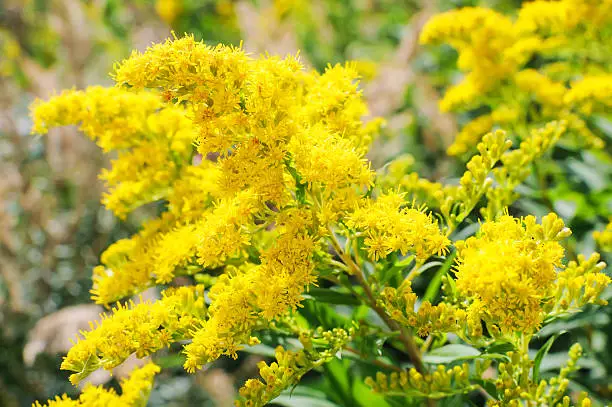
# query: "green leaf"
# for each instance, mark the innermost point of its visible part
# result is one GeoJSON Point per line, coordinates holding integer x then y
{"type": "Point", "coordinates": [170, 361]}
{"type": "Point", "coordinates": [302, 401]}
{"type": "Point", "coordinates": [366, 397]}
{"type": "Point", "coordinates": [592, 178]}
{"type": "Point", "coordinates": [492, 356]}
{"type": "Point", "coordinates": [331, 296]}
{"type": "Point", "coordinates": [537, 361]}
{"type": "Point", "coordinates": [487, 386]}
{"type": "Point", "coordinates": [300, 188]}
{"type": "Point", "coordinates": [451, 353]}
{"type": "Point", "coordinates": [318, 313]}
{"type": "Point", "coordinates": [554, 361]}
{"type": "Point", "coordinates": [577, 321]}
{"type": "Point", "coordinates": [500, 347]}
{"type": "Point", "coordinates": [455, 401]}
{"type": "Point", "coordinates": [434, 286]}
{"type": "Point", "coordinates": [339, 380]}
{"type": "Point", "coordinates": [260, 349]}
{"type": "Point", "coordinates": [360, 312]}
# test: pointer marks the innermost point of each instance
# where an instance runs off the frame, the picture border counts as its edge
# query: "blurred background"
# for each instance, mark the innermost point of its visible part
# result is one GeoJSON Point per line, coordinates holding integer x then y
{"type": "Point", "coordinates": [53, 228]}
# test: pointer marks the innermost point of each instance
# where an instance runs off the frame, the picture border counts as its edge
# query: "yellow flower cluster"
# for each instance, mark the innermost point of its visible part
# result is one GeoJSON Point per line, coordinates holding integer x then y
{"type": "Point", "coordinates": [516, 391]}
{"type": "Point", "coordinates": [257, 114]}
{"type": "Point", "coordinates": [470, 30]}
{"type": "Point", "coordinates": [552, 18]}
{"type": "Point", "coordinates": [134, 392]}
{"type": "Point", "coordinates": [508, 270]}
{"type": "Point", "coordinates": [136, 328]}
{"type": "Point", "coordinates": [581, 282]}
{"type": "Point", "coordinates": [191, 234]}
{"type": "Point", "coordinates": [401, 305]}
{"type": "Point", "coordinates": [388, 226]}
{"type": "Point", "coordinates": [604, 237]}
{"type": "Point", "coordinates": [494, 51]}
{"type": "Point", "coordinates": [442, 382]}
{"type": "Point", "coordinates": [154, 143]}
{"type": "Point", "coordinates": [291, 366]}
{"type": "Point", "coordinates": [591, 94]}
{"type": "Point", "coordinates": [256, 294]}
{"type": "Point", "coordinates": [113, 118]}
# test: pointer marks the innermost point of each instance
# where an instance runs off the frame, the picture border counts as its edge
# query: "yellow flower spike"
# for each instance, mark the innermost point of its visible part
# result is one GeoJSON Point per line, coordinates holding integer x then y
{"type": "Point", "coordinates": [582, 282]}
{"type": "Point", "coordinates": [141, 329]}
{"type": "Point", "coordinates": [460, 200]}
{"type": "Point", "coordinates": [127, 265]}
{"type": "Point", "coordinates": [153, 143]}
{"type": "Point", "coordinates": [472, 132]}
{"type": "Point", "coordinates": [112, 117]}
{"type": "Point", "coordinates": [516, 166]}
{"type": "Point", "coordinates": [134, 392]}
{"type": "Point", "coordinates": [260, 293]}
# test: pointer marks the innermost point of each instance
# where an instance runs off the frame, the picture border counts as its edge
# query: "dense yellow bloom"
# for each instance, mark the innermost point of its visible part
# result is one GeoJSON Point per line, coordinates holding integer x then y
{"type": "Point", "coordinates": [390, 226]}
{"type": "Point", "coordinates": [327, 159]}
{"type": "Point", "coordinates": [509, 268]}
{"type": "Point", "coordinates": [262, 114]}
{"type": "Point", "coordinates": [268, 130]}
{"type": "Point", "coordinates": [134, 392]}
{"type": "Point", "coordinates": [224, 231]}
{"type": "Point", "coordinates": [487, 45]}
{"type": "Point", "coordinates": [557, 17]}
{"type": "Point", "coordinates": [546, 91]}
{"type": "Point", "coordinates": [139, 329]}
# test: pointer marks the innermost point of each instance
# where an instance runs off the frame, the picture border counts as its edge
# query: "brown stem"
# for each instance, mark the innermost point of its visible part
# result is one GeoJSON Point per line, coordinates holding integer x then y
{"type": "Point", "coordinates": [405, 337]}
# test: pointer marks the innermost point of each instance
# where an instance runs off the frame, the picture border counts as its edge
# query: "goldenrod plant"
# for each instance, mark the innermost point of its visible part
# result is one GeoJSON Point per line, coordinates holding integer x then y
{"type": "Point", "coordinates": [275, 230]}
